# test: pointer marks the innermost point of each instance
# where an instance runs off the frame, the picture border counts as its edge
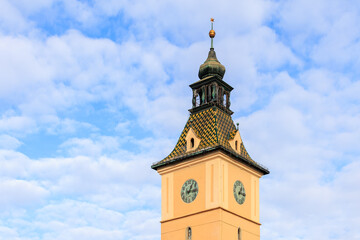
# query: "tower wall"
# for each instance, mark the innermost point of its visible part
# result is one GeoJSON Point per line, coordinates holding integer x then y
{"type": "Point", "coordinates": [214, 214]}
{"type": "Point", "coordinates": [213, 224]}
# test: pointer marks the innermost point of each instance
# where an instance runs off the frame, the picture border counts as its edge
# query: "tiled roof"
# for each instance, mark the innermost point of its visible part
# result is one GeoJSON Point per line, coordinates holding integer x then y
{"type": "Point", "coordinates": [232, 134]}
{"type": "Point", "coordinates": [214, 127]}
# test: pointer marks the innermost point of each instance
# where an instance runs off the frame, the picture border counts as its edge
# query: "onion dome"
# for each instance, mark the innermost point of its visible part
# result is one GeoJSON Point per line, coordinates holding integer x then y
{"type": "Point", "coordinates": [212, 66]}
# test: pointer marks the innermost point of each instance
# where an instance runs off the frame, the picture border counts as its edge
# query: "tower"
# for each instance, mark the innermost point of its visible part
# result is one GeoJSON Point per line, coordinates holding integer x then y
{"type": "Point", "coordinates": [209, 182]}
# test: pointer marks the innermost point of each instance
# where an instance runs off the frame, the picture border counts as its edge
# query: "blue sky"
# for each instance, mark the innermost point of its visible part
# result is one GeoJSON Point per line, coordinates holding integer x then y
{"type": "Point", "coordinates": [93, 92]}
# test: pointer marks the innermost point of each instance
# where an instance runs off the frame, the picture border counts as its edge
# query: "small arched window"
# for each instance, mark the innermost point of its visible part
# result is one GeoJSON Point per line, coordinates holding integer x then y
{"type": "Point", "coordinates": [197, 100]}
{"type": "Point", "coordinates": [239, 233]}
{"type": "Point", "coordinates": [236, 145]}
{"type": "Point", "coordinates": [188, 233]}
{"type": "Point", "coordinates": [192, 142]}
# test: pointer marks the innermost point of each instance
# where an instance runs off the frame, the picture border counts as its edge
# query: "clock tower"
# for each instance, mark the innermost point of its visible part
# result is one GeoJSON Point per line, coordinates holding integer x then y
{"type": "Point", "coordinates": [209, 182]}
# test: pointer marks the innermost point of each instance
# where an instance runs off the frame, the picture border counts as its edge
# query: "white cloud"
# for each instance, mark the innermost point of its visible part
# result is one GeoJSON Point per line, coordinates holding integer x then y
{"type": "Point", "coordinates": [263, 48]}
{"type": "Point", "coordinates": [311, 202]}
{"type": "Point", "coordinates": [8, 233]}
{"type": "Point", "coordinates": [9, 142]}
{"type": "Point", "coordinates": [87, 180]}
{"type": "Point", "coordinates": [21, 124]}
{"type": "Point", "coordinates": [123, 127]}
{"type": "Point", "coordinates": [73, 70]}
{"type": "Point", "coordinates": [11, 19]}
{"type": "Point", "coordinates": [293, 66]}
{"type": "Point", "coordinates": [77, 214]}
{"type": "Point", "coordinates": [19, 193]}
{"type": "Point", "coordinates": [79, 11]}
{"type": "Point", "coordinates": [29, 8]}
{"type": "Point", "coordinates": [303, 136]}
{"type": "Point", "coordinates": [88, 233]}
{"type": "Point", "coordinates": [88, 147]}
{"type": "Point", "coordinates": [13, 164]}
{"type": "Point", "coordinates": [65, 126]}
{"type": "Point", "coordinates": [151, 18]}
{"type": "Point", "coordinates": [337, 49]}
{"type": "Point", "coordinates": [108, 192]}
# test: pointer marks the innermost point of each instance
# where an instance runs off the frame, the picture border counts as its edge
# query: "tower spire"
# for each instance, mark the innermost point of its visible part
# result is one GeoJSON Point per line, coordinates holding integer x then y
{"type": "Point", "coordinates": [211, 66]}
{"type": "Point", "coordinates": [212, 33]}
{"type": "Point", "coordinates": [211, 161]}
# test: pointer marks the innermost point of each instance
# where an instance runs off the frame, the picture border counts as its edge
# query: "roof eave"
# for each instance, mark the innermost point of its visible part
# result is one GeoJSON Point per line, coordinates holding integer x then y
{"type": "Point", "coordinates": [209, 79]}
{"type": "Point", "coordinates": [238, 157]}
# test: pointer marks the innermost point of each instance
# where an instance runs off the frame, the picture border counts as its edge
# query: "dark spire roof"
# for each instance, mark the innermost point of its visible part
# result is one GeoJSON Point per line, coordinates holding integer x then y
{"type": "Point", "coordinates": [212, 66]}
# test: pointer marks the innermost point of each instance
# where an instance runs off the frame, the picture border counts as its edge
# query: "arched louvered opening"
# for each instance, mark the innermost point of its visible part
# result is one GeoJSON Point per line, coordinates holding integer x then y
{"type": "Point", "coordinates": [188, 233]}
{"type": "Point", "coordinates": [239, 233]}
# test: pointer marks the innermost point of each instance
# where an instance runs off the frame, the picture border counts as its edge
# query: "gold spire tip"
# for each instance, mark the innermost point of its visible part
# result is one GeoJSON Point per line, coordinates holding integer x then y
{"type": "Point", "coordinates": [212, 32]}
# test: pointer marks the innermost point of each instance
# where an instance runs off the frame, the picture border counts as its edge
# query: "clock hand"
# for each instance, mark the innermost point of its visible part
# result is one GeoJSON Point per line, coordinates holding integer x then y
{"type": "Point", "coordinates": [188, 189]}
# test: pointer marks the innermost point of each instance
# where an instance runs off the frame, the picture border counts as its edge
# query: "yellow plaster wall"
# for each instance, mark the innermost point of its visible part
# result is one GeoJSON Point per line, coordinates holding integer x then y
{"type": "Point", "coordinates": [213, 188]}
{"type": "Point", "coordinates": [167, 193]}
{"type": "Point", "coordinates": [224, 182]}
{"type": "Point", "coordinates": [196, 172]}
{"type": "Point", "coordinates": [215, 224]}
{"type": "Point", "coordinates": [250, 179]}
{"type": "Point", "coordinates": [255, 208]}
{"type": "Point", "coordinates": [215, 210]}
{"type": "Point", "coordinates": [204, 226]}
{"type": "Point", "coordinates": [230, 223]}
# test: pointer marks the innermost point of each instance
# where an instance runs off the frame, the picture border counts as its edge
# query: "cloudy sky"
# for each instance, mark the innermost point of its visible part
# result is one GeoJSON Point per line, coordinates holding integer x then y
{"type": "Point", "coordinates": [93, 92]}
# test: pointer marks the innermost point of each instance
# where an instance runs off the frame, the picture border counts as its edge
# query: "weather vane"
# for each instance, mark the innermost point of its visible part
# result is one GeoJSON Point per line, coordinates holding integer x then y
{"type": "Point", "coordinates": [212, 32]}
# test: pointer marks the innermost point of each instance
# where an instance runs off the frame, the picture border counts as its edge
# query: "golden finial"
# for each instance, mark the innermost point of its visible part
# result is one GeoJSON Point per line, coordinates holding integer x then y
{"type": "Point", "coordinates": [212, 32]}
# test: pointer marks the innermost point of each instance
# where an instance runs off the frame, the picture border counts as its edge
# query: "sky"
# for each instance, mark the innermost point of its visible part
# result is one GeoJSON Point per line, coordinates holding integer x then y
{"type": "Point", "coordinates": [93, 92]}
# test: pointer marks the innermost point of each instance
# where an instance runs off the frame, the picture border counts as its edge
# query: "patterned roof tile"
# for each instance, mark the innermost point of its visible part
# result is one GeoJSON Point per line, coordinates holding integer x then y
{"type": "Point", "coordinates": [214, 127]}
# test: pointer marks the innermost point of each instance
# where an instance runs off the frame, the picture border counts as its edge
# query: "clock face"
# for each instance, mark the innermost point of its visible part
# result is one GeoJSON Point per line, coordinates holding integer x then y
{"type": "Point", "coordinates": [239, 192]}
{"type": "Point", "coordinates": [189, 191]}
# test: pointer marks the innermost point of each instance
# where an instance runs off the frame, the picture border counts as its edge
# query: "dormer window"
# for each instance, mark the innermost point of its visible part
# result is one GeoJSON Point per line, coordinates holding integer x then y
{"type": "Point", "coordinates": [235, 142]}
{"type": "Point", "coordinates": [192, 141]}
